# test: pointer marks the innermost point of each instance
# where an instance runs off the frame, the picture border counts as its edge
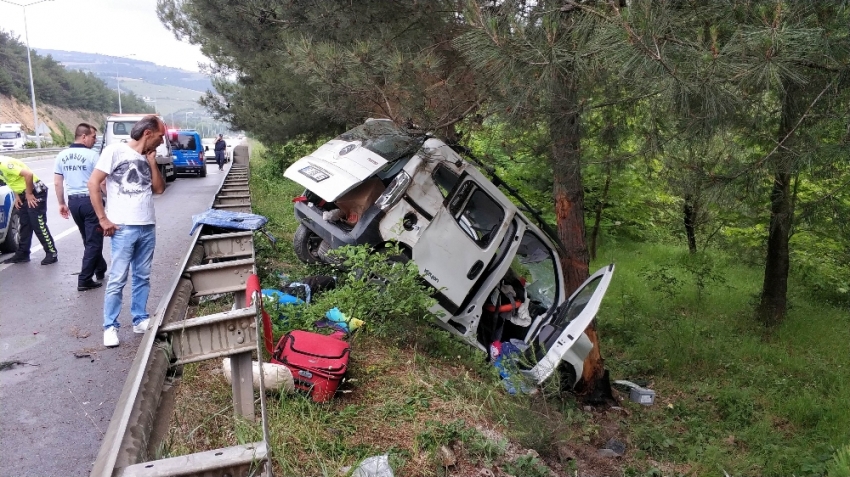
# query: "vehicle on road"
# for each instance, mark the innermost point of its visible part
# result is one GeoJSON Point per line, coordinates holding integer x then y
{"type": "Point", "coordinates": [118, 127]}
{"type": "Point", "coordinates": [188, 151]}
{"type": "Point", "coordinates": [495, 275]}
{"type": "Point", "coordinates": [10, 222]}
{"type": "Point", "coordinates": [12, 137]}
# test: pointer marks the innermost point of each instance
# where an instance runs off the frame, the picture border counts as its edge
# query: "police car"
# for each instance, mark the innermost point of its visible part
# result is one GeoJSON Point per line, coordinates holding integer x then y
{"type": "Point", "coordinates": [10, 223]}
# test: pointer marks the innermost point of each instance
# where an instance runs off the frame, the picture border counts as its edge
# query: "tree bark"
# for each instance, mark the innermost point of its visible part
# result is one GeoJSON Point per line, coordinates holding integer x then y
{"type": "Point", "coordinates": [600, 206]}
{"type": "Point", "coordinates": [774, 294]}
{"type": "Point", "coordinates": [690, 213]}
{"type": "Point", "coordinates": [594, 386]}
{"type": "Point", "coordinates": [568, 189]}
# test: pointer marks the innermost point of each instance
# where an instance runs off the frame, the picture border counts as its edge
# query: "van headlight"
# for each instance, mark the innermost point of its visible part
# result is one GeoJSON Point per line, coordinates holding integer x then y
{"type": "Point", "coordinates": [394, 191]}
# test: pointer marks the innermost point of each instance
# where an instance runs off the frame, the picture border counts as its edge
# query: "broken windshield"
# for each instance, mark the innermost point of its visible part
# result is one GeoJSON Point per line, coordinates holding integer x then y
{"type": "Point", "coordinates": [384, 138]}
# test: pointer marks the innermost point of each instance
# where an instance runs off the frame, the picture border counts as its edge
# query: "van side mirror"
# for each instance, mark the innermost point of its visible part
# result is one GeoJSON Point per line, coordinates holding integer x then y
{"type": "Point", "coordinates": [206, 148]}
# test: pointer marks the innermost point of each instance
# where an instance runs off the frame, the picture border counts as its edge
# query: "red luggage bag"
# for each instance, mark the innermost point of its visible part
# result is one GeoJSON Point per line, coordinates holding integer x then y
{"type": "Point", "coordinates": [317, 362]}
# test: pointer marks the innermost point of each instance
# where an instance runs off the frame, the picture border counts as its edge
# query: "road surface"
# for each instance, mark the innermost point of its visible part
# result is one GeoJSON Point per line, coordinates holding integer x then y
{"type": "Point", "coordinates": [56, 402]}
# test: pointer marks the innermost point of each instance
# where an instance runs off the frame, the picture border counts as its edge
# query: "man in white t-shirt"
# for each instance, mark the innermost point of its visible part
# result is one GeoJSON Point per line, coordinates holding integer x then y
{"type": "Point", "coordinates": [132, 177]}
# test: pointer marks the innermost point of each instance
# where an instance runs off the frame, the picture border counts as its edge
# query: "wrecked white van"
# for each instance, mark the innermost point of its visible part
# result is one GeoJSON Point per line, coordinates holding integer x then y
{"type": "Point", "coordinates": [496, 276]}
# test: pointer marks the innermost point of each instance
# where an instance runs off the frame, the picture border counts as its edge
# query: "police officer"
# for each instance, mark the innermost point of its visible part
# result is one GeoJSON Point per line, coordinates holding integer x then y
{"type": "Point", "coordinates": [31, 201]}
{"type": "Point", "coordinates": [220, 147]}
{"type": "Point", "coordinates": [71, 174]}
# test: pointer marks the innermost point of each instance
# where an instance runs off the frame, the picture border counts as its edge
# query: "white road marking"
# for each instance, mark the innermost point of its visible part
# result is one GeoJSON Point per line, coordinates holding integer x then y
{"type": "Point", "coordinates": [38, 247]}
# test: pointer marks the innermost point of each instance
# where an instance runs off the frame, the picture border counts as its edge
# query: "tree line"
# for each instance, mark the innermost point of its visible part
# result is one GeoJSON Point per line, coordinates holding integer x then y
{"type": "Point", "coordinates": [55, 85]}
{"type": "Point", "coordinates": [721, 124]}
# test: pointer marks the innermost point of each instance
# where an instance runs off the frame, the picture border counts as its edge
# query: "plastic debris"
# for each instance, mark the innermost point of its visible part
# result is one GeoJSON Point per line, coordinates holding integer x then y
{"type": "Point", "coordinates": [375, 466]}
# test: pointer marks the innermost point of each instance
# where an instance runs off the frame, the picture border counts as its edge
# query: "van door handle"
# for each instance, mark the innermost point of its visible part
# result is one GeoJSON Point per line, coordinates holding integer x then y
{"type": "Point", "coordinates": [475, 270]}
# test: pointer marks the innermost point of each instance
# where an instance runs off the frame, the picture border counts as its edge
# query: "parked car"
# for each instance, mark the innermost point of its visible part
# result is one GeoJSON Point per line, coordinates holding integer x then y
{"type": "Point", "coordinates": [495, 275]}
{"type": "Point", "coordinates": [118, 127]}
{"type": "Point", "coordinates": [10, 223]}
{"type": "Point", "coordinates": [188, 152]}
{"type": "Point", "coordinates": [209, 149]}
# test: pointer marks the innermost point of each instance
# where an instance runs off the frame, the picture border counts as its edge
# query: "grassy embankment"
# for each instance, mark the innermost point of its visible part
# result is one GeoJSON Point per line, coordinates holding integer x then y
{"type": "Point", "coordinates": [730, 396]}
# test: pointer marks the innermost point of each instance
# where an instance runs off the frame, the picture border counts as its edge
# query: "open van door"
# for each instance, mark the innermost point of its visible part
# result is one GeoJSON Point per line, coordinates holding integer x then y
{"type": "Point", "coordinates": [461, 240]}
{"type": "Point", "coordinates": [563, 338]}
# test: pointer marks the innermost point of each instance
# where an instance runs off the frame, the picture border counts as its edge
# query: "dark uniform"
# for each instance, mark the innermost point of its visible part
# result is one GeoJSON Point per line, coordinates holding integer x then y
{"type": "Point", "coordinates": [33, 219]}
{"type": "Point", "coordinates": [75, 165]}
{"type": "Point", "coordinates": [220, 147]}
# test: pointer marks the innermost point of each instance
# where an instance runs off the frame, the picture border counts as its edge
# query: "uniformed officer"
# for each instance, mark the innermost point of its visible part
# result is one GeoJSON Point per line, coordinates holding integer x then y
{"type": "Point", "coordinates": [71, 174]}
{"type": "Point", "coordinates": [31, 202]}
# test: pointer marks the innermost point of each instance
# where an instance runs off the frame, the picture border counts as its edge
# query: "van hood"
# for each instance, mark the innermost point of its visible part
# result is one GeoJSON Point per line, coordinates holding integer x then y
{"type": "Point", "coordinates": [335, 168]}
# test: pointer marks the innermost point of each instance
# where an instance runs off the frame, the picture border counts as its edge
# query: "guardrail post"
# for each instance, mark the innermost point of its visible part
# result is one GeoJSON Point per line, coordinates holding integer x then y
{"type": "Point", "coordinates": [243, 375]}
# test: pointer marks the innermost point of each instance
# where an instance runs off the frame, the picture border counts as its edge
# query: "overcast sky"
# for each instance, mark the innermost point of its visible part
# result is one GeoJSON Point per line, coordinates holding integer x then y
{"type": "Point", "coordinates": [108, 27]}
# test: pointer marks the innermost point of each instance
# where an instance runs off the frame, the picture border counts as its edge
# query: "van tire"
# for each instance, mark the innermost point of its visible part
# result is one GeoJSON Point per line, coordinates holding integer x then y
{"type": "Point", "coordinates": [203, 172]}
{"type": "Point", "coordinates": [307, 244]}
{"type": "Point", "coordinates": [10, 244]}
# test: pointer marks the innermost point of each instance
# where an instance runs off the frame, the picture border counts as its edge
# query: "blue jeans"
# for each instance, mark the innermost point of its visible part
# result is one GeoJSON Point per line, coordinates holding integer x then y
{"type": "Point", "coordinates": [132, 248]}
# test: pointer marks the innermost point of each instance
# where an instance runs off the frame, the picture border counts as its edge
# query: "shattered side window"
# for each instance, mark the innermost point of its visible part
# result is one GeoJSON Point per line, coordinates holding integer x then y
{"type": "Point", "coordinates": [480, 217]}
{"type": "Point", "coordinates": [385, 139]}
{"type": "Point", "coordinates": [444, 179]}
{"type": "Point", "coordinates": [536, 264]}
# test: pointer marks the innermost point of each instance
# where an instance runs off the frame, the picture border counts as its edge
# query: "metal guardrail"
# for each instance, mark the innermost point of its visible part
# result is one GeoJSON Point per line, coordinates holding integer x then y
{"type": "Point", "coordinates": [21, 153]}
{"type": "Point", "coordinates": [215, 263]}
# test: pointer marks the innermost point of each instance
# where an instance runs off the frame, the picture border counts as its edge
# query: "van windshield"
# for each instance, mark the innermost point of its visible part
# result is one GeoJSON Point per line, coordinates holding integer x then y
{"type": "Point", "coordinates": [385, 139]}
{"type": "Point", "coordinates": [122, 128]}
{"type": "Point", "coordinates": [9, 135]}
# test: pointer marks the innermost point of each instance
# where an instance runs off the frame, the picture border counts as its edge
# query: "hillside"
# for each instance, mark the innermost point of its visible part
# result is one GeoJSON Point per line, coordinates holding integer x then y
{"type": "Point", "coordinates": [56, 118]}
{"type": "Point", "coordinates": [165, 98]}
{"type": "Point", "coordinates": [106, 67]}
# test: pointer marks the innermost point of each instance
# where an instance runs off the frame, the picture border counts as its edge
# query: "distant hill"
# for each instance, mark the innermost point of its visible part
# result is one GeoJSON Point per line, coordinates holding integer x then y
{"type": "Point", "coordinates": [106, 67]}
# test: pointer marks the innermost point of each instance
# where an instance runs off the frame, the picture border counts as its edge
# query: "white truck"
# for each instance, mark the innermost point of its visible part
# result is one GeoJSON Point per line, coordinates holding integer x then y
{"type": "Point", "coordinates": [12, 137]}
{"type": "Point", "coordinates": [118, 127]}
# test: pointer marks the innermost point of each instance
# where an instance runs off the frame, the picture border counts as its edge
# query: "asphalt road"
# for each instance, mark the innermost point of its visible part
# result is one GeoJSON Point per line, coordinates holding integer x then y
{"type": "Point", "coordinates": [56, 403]}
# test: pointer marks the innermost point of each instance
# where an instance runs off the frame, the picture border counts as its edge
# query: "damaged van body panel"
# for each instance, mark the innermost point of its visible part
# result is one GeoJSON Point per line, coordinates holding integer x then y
{"type": "Point", "coordinates": [495, 275]}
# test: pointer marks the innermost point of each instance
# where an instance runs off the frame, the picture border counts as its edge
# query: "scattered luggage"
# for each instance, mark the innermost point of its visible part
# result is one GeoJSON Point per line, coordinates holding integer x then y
{"type": "Point", "coordinates": [317, 362]}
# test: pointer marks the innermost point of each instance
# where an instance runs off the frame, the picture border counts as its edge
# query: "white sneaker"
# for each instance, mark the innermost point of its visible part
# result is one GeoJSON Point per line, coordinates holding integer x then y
{"type": "Point", "coordinates": [110, 337]}
{"type": "Point", "coordinates": [142, 326]}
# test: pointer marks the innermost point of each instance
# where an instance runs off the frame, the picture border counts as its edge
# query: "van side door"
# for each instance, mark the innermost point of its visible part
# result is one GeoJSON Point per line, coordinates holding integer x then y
{"type": "Point", "coordinates": [462, 239]}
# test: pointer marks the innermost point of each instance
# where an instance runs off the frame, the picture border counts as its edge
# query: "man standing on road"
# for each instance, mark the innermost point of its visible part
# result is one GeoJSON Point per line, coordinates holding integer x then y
{"type": "Point", "coordinates": [132, 177]}
{"type": "Point", "coordinates": [220, 147]}
{"type": "Point", "coordinates": [32, 209]}
{"type": "Point", "coordinates": [71, 174]}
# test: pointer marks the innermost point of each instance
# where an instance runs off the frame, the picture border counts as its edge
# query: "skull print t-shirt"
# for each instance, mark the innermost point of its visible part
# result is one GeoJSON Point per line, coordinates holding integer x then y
{"type": "Point", "coordinates": [129, 199]}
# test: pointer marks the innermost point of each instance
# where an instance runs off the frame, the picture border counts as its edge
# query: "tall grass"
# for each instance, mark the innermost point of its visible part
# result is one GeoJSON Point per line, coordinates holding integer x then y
{"type": "Point", "coordinates": [732, 395]}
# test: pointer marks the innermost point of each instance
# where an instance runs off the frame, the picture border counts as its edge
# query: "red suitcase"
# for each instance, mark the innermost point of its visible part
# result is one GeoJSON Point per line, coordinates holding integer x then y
{"type": "Point", "coordinates": [317, 362]}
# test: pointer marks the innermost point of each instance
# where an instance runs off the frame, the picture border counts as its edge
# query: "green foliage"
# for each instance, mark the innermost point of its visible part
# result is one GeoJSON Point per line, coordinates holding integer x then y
{"type": "Point", "coordinates": [527, 466]}
{"type": "Point", "coordinates": [386, 294]}
{"type": "Point", "coordinates": [55, 85]}
{"type": "Point", "coordinates": [840, 466]}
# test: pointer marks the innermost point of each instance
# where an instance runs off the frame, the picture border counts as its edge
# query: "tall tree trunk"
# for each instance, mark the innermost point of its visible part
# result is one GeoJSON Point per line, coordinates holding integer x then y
{"type": "Point", "coordinates": [600, 206]}
{"type": "Point", "coordinates": [568, 190]}
{"type": "Point", "coordinates": [690, 212]}
{"type": "Point", "coordinates": [773, 302]}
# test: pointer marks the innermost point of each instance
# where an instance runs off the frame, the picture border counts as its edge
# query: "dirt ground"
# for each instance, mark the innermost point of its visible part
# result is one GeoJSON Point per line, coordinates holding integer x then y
{"type": "Point", "coordinates": [13, 111]}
